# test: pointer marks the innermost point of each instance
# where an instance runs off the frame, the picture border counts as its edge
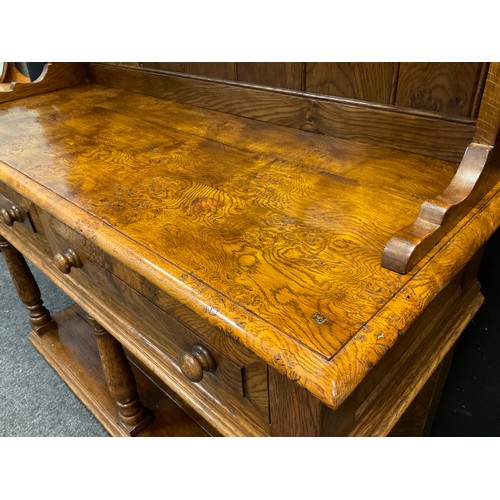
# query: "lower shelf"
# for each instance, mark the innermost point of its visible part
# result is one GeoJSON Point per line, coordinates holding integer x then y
{"type": "Point", "coordinates": [71, 350]}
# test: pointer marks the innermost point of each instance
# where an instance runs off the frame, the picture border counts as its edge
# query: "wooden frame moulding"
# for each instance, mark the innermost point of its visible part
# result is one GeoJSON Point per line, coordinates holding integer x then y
{"type": "Point", "coordinates": [477, 172]}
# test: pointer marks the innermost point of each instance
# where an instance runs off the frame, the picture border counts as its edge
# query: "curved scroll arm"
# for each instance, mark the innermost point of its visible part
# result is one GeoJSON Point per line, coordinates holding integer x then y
{"type": "Point", "coordinates": [476, 174]}
{"type": "Point", "coordinates": [54, 76]}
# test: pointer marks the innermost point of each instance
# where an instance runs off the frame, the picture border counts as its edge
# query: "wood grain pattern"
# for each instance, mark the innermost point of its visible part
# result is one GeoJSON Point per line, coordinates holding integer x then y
{"type": "Point", "coordinates": [444, 262]}
{"type": "Point", "coordinates": [488, 121]}
{"type": "Point", "coordinates": [286, 75]}
{"type": "Point", "coordinates": [239, 376]}
{"type": "Point", "coordinates": [221, 70]}
{"type": "Point", "coordinates": [451, 88]}
{"type": "Point", "coordinates": [293, 412]}
{"type": "Point", "coordinates": [217, 410]}
{"type": "Point", "coordinates": [368, 81]}
{"type": "Point", "coordinates": [268, 201]}
{"type": "Point", "coordinates": [419, 132]}
{"type": "Point", "coordinates": [127, 64]}
{"type": "Point", "coordinates": [393, 395]}
{"type": "Point", "coordinates": [480, 89]}
{"type": "Point", "coordinates": [157, 341]}
{"type": "Point", "coordinates": [446, 87]}
{"type": "Point", "coordinates": [476, 173]}
{"type": "Point", "coordinates": [300, 268]}
{"type": "Point", "coordinates": [418, 418]}
{"type": "Point", "coordinates": [379, 404]}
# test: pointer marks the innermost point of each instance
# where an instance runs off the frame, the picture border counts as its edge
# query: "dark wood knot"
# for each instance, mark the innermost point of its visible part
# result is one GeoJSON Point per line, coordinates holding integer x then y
{"type": "Point", "coordinates": [11, 215]}
{"type": "Point", "coordinates": [193, 364]}
{"type": "Point", "coordinates": [67, 260]}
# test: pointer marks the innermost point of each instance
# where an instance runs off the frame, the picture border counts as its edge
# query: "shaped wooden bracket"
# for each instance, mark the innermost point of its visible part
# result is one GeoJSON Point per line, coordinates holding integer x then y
{"type": "Point", "coordinates": [478, 171]}
{"type": "Point", "coordinates": [54, 76]}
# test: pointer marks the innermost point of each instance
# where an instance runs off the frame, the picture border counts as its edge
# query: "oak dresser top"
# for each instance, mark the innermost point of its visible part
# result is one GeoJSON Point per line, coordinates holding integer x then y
{"type": "Point", "coordinates": [273, 234]}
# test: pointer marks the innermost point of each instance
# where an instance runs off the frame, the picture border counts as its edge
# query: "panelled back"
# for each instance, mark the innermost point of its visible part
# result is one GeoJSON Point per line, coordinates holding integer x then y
{"type": "Point", "coordinates": [452, 88]}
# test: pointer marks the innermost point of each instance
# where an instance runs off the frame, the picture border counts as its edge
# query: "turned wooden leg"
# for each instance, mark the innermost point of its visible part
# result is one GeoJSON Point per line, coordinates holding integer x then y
{"type": "Point", "coordinates": [26, 287]}
{"type": "Point", "coordinates": [133, 415]}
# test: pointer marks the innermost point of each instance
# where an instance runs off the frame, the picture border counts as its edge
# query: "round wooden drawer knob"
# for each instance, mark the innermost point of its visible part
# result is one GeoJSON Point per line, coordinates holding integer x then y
{"type": "Point", "coordinates": [11, 215]}
{"type": "Point", "coordinates": [66, 260]}
{"type": "Point", "coordinates": [193, 364]}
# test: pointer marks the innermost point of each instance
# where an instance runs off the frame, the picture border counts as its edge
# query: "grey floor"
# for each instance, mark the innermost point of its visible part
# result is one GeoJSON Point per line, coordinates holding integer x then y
{"type": "Point", "coordinates": [35, 402]}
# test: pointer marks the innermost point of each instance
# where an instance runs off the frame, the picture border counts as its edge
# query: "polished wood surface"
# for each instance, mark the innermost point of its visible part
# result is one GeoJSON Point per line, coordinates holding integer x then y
{"type": "Point", "coordinates": [154, 337]}
{"type": "Point", "coordinates": [193, 364]}
{"type": "Point", "coordinates": [424, 132]}
{"type": "Point", "coordinates": [393, 394]}
{"type": "Point", "coordinates": [239, 260]}
{"type": "Point", "coordinates": [250, 270]}
{"type": "Point", "coordinates": [235, 216]}
{"type": "Point", "coordinates": [11, 215]}
{"type": "Point", "coordinates": [283, 74]}
{"type": "Point", "coordinates": [220, 200]}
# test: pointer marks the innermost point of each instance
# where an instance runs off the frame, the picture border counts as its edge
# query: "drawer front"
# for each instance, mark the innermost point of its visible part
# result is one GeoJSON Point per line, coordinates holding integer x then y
{"type": "Point", "coordinates": [17, 212]}
{"type": "Point", "coordinates": [208, 363]}
{"type": "Point", "coordinates": [19, 217]}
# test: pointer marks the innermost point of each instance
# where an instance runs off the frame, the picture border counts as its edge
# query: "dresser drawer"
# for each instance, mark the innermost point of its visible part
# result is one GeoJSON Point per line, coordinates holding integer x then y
{"type": "Point", "coordinates": [197, 357]}
{"type": "Point", "coordinates": [18, 215]}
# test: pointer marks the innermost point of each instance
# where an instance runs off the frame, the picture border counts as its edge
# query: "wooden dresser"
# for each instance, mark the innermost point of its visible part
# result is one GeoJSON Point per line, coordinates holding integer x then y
{"type": "Point", "coordinates": [245, 261]}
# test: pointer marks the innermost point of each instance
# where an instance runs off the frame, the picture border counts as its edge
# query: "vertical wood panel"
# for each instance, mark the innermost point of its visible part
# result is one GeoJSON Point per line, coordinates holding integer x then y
{"type": "Point", "coordinates": [488, 121]}
{"type": "Point", "coordinates": [451, 88]}
{"type": "Point", "coordinates": [293, 410]}
{"type": "Point", "coordinates": [222, 70]}
{"type": "Point", "coordinates": [370, 81]}
{"type": "Point", "coordinates": [165, 66]}
{"type": "Point", "coordinates": [131, 64]}
{"type": "Point", "coordinates": [287, 75]}
{"type": "Point", "coordinates": [444, 87]}
{"type": "Point", "coordinates": [479, 89]}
